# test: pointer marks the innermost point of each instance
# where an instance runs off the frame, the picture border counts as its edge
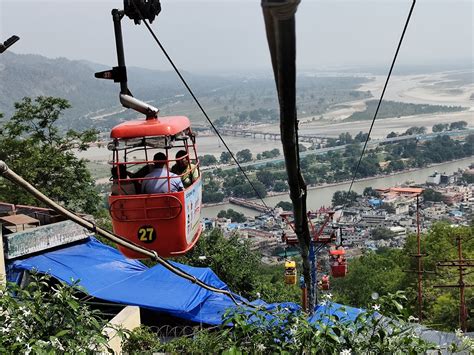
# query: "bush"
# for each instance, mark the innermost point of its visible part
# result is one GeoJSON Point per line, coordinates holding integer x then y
{"type": "Point", "coordinates": [47, 318]}
{"type": "Point", "coordinates": [284, 331]}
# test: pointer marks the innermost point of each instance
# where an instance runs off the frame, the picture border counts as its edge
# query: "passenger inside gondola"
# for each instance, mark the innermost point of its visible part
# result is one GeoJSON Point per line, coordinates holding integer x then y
{"type": "Point", "coordinates": [160, 180]}
{"type": "Point", "coordinates": [185, 169]}
{"type": "Point", "coordinates": [121, 185]}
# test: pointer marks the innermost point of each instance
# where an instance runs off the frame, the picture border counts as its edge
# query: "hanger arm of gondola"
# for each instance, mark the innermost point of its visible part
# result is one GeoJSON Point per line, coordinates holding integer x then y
{"type": "Point", "coordinates": [8, 43]}
{"type": "Point", "coordinates": [119, 73]}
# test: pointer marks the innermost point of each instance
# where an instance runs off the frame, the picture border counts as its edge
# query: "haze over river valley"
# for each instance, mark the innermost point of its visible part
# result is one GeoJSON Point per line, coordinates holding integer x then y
{"type": "Point", "coordinates": [447, 88]}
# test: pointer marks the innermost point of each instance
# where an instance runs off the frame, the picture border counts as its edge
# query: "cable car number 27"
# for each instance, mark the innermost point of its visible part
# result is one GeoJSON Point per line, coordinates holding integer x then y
{"type": "Point", "coordinates": [146, 234]}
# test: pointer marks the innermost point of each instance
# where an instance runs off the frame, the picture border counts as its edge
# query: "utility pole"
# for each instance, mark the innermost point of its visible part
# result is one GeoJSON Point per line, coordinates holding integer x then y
{"type": "Point", "coordinates": [419, 256]}
{"type": "Point", "coordinates": [461, 264]}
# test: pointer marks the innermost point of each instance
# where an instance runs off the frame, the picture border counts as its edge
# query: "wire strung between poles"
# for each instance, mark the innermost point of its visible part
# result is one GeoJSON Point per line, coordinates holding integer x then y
{"type": "Point", "coordinates": [201, 108]}
{"type": "Point", "coordinates": [383, 93]}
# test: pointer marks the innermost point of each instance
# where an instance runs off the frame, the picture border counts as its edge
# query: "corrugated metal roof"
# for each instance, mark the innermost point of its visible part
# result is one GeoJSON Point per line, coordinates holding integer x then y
{"type": "Point", "coordinates": [18, 219]}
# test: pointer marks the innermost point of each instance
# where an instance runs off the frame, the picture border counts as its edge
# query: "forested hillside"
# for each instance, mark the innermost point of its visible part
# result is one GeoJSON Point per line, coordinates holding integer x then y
{"type": "Point", "coordinates": [34, 75]}
{"type": "Point", "coordinates": [228, 99]}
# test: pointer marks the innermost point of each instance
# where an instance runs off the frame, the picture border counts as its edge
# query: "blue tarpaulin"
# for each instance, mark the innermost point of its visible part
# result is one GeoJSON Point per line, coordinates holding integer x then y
{"type": "Point", "coordinates": [106, 274]}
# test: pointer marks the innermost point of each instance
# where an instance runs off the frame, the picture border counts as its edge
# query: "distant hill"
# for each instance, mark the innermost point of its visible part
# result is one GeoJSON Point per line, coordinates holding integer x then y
{"type": "Point", "coordinates": [233, 99]}
{"type": "Point", "coordinates": [35, 75]}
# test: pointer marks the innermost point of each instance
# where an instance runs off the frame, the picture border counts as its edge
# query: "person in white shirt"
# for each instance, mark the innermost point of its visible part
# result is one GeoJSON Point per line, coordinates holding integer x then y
{"type": "Point", "coordinates": [157, 181]}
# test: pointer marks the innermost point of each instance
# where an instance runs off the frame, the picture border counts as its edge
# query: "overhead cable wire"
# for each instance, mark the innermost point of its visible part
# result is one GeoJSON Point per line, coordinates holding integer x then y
{"type": "Point", "coordinates": [382, 95]}
{"type": "Point", "coordinates": [202, 109]}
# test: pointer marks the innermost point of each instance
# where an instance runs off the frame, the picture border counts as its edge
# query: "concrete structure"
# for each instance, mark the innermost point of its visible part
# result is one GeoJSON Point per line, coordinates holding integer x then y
{"type": "Point", "coordinates": [129, 319]}
{"type": "Point", "coordinates": [374, 220]}
{"type": "Point", "coordinates": [399, 231]}
{"type": "Point", "coordinates": [434, 179]}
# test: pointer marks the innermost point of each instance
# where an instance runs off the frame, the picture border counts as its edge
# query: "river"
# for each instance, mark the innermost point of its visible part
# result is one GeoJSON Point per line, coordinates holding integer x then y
{"type": "Point", "coordinates": [321, 196]}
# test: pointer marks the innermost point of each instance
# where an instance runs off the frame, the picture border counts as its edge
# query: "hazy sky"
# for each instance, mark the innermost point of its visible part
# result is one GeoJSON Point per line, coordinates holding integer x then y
{"type": "Point", "coordinates": [228, 35]}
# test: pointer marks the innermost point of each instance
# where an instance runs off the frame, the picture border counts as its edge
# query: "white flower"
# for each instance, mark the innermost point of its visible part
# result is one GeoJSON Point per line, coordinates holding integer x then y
{"type": "Point", "coordinates": [458, 333]}
{"type": "Point", "coordinates": [376, 307]}
{"type": "Point", "coordinates": [28, 349]}
{"type": "Point", "coordinates": [413, 319]}
{"type": "Point", "coordinates": [329, 296]}
{"type": "Point", "coordinates": [323, 303]}
{"type": "Point", "coordinates": [345, 352]}
{"type": "Point", "coordinates": [57, 344]}
{"type": "Point", "coordinates": [261, 347]}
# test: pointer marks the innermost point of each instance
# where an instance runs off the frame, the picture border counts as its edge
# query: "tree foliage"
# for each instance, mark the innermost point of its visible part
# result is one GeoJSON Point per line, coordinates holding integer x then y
{"type": "Point", "coordinates": [383, 272]}
{"type": "Point", "coordinates": [47, 318]}
{"type": "Point", "coordinates": [37, 150]}
{"type": "Point", "coordinates": [382, 233]}
{"type": "Point", "coordinates": [284, 331]}
{"type": "Point", "coordinates": [207, 160]}
{"type": "Point", "coordinates": [230, 258]}
{"type": "Point", "coordinates": [234, 216]}
{"type": "Point", "coordinates": [344, 198]}
{"type": "Point", "coordinates": [244, 156]}
{"type": "Point", "coordinates": [285, 205]}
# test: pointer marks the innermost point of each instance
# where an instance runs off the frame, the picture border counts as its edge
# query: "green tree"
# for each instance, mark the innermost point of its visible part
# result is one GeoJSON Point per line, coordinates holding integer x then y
{"type": "Point", "coordinates": [382, 233]}
{"type": "Point", "coordinates": [369, 191]}
{"type": "Point", "coordinates": [209, 196]}
{"type": "Point", "coordinates": [35, 148]}
{"type": "Point", "coordinates": [230, 258]}
{"type": "Point", "coordinates": [207, 160]}
{"type": "Point", "coordinates": [432, 195]}
{"type": "Point", "coordinates": [285, 205]}
{"type": "Point", "coordinates": [443, 309]}
{"type": "Point", "coordinates": [280, 186]}
{"type": "Point", "coordinates": [266, 177]}
{"type": "Point", "coordinates": [225, 158]}
{"type": "Point", "coordinates": [387, 207]}
{"type": "Point", "coordinates": [458, 125]}
{"type": "Point", "coordinates": [344, 198]}
{"type": "Point", "coordinates": [415, 130]}
{"type": "Point", "coordinates": [438, 244]}
{"type": "Point", "coordinates": [362, 137]}
{"type": "Point", "coordinates": [233, 215]}
{"type": "Point", "coordinates": [244, 156]}
{"type": "Point", "coordinates": [440, 127]}
{"type": "Point", "coordinates": [381, 273]}
{"type": "Point", "coordinates": [40, 319]}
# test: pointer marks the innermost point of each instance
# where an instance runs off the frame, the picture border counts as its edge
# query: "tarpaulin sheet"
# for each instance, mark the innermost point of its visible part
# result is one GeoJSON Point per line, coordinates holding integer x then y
{"type": "Point", "coordinates": [106, 274]}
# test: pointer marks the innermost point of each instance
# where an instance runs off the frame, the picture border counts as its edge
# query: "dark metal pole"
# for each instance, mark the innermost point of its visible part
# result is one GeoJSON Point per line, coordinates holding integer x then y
{"type": "Point", "coordinates": [117, 17]}
{"type": "Point", "coordinates": [279, 16]}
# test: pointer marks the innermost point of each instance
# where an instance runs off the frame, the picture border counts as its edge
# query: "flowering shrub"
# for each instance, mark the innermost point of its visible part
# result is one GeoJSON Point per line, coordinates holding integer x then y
{"type": "Point", "coordinates": [261, 332]}
{"type": "Point", "coordinates": [47, 318]}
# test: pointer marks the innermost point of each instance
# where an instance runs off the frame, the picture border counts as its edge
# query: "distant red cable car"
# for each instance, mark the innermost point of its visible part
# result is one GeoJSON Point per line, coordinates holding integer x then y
{"type": "Point", "coordinates": [338, 263]}
{"type": "Point", "coordinates": [169, 222]}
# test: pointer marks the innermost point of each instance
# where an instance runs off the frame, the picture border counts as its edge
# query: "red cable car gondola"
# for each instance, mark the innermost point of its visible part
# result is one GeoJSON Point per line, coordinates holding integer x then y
{"type": "Point", "coordinates": [338, 263]}
{"type": "Point", "coordinates": [167, 222]}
